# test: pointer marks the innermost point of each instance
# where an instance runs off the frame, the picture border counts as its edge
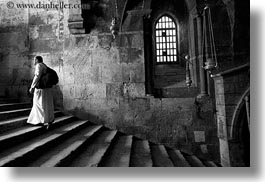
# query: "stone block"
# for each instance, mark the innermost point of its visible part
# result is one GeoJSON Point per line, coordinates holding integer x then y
{"type": "Point", "coordinates": [80, 59]}
{"type": "Point", "coordinates": [133, 90]}
{"type": "Point", "coordinates": [199, 136]}
{"type": "Point", "coordinates": [21, 77]}
{"type": "Point", "coordinates": [105, 57]}
{"type": "Point", "coordinates": [220, 99]}
{"type": "Point", "coordinates": [229, 109]}
{"type": "Point", "coordinates": [113, 103]}
{"type": "Point", "coordinates": [87, 91]}
{"type": "Point", "coordinates": [204, 149]}
{"type": "Point", "coordinates": [68, 91]}
{"type": "Point", "coordinates": [184, 118]}
{"type": "Point", "coordinates": [232, 99]}
{"type": "Point", "coordinates": [138, 40]}
{"type": "Point", "coordinates": [231, 129]}
{"type": "Point", "coordinates": [33, 32]}
{"type": "Point", "coordinates": [88, 75]}
{"type": "Point", "coordinates": [236, 155]}
{"type": "Point", "coordinates": [47, 31]}
{"type": "Point", "coordinates": [177, 104]}
{"type": "Point", "coordinates": [111, 73]}
{"type": "Point", "coordinates": [155, 104]}
{"type": "Point", "coordinates": [96, 90]}
{"type": "Point", "coordinates": [132, 40]}
{"type": "Point", "coordinates": [133, 73]}
{"type": "Point", "coordinates": [49, 45]}
{"type": "Point", "coordinates": [140, 104]}
{"type": "Point", "coordinates": [35, 19]}
{"type": "Point", "coordinates": [133, 22]}
{"type": "Point", "coordinates": [96, 105]}
{"type": "Point", "coordinates": [80, 41]}
{"type": "Point", "coordinates": [69, 104]}
{"type": "Point", "coordinates": [78, 31]}
{"type": "Point", "coordinates": [15, 42]}
{"type": "Point", "coordinates": [13, 17]}
{"type": "Point", "coordinates": [113, 90]}
{"type": "Point", "coordinates": [219, 88]}
{"type": "Point", "coordinates": [224, 153]}
{"type": "Point", "coordinates": [222, 127]}
{"type": "Point", "coordinates": [123, 42]}
{"type": "Point", "coordinates": [229, 88]}
{"type": "Point", "coordinates": [221, 110]}
{"type": "Point", "coordinates": [69, 75]}
{"type": "Point", "coordinates": [131, 55]}
{"type": "Point", "coordinates": [105, 41]}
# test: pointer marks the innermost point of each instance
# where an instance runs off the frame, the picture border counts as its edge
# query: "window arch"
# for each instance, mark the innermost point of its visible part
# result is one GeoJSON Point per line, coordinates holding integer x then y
{"type": "Point", "coordinates": [166, 40]}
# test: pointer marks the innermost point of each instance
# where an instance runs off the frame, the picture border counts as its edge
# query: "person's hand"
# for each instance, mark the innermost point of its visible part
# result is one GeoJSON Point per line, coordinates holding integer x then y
{"type": "Point", "coordinates": [31, 90]}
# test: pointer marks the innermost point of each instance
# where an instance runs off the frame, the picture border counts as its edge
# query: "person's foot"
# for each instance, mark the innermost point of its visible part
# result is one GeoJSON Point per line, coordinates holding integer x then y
{"type": "Point", "coordinates": [47, 126]}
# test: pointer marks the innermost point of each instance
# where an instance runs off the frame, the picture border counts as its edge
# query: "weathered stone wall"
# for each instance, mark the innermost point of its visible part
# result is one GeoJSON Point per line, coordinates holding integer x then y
{"type": "Point", "coordinates": [46, 38]}
{"type": "Point", "coordinates": [25, 33]}
{"type": "Point", "coordinates": [14, 45]}
{"type": "Point", "coordinates": [104, 81]}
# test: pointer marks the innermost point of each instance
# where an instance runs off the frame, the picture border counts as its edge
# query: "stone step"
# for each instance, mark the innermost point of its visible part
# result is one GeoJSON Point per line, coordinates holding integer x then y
{"type": "Point", "coordinates": [120, 154]}
{"type": "Point", "coordinates": [19, 135]}
{"type": "Point", "coordinates": [93, 153]}
{"type": "Point", "coordinates": [58, 154]}
{"type": "Point", "coordinates": [4, 100]}
{"type": "Point", "coordinates": [177, 158]}
{"type": "Point", "coordinates": [194, 161]}
{"type": "Point", "coordinates": [160, 156]}
{"type": "Point", "coordinates": [209, 164]}
{"type": "Point", "coordinates": [4, 115]}
{"type": "Point", "coordinates": [10, 124]}
{"type": "Point", "coordinates": [141, 154]}
{"type": "Point", "coordinates": [14, 106]}
{"type": "Point", "coordinates": [29, 150]}
{"type": "Point", "coordinates": [78, 143]}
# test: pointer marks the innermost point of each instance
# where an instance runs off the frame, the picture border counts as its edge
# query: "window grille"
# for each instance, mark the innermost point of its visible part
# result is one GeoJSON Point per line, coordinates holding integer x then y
{"type": "Point", "coordinates": [166, 40]}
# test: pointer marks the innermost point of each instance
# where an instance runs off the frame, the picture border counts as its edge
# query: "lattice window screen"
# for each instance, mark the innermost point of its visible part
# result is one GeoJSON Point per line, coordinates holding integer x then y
{"type": "Point", "coordinates": [166, 40]}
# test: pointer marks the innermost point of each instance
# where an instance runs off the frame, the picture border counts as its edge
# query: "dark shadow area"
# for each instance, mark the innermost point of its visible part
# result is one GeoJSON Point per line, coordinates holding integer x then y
{"type": "Point", "coordinates": [90, 15]}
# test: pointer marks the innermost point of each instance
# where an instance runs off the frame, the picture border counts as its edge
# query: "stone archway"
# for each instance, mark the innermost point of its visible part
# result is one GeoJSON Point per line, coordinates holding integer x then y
{"type": "Point", "coordinates": [240, 132]}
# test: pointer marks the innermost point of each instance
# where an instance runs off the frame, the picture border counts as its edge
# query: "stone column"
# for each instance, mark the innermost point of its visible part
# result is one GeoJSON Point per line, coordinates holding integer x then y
{"type": "Point", "coordinates": [200, 56]}
{"type": "Point", "coordinates": [230, 85]}
{"type": "Point", "coordinates": [248, 110]}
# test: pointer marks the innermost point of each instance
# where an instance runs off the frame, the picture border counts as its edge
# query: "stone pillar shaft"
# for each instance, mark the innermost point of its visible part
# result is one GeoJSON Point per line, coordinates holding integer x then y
{"type": "Point", "coordinates": [248, 110]}
{"type": "Point", "coordinates": [200, 49]}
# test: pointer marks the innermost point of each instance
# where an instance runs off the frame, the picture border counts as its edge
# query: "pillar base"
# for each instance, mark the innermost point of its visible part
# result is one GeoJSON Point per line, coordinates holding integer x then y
{"type": "Point", "coordinates": [202, 96]}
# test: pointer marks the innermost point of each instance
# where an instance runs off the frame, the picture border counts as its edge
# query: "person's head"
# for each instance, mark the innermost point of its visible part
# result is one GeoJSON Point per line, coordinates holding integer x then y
{"type": "Point", "coordinates": [38, 59]}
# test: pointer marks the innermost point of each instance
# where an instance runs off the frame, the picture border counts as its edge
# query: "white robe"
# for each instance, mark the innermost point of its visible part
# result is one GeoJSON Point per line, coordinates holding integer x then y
{"type": "Point", "coordinates": [43, 109]}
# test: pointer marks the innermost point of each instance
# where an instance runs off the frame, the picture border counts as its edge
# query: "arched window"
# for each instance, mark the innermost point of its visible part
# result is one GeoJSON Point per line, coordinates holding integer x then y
{"type": "Point", "coordinates": [166, 40]}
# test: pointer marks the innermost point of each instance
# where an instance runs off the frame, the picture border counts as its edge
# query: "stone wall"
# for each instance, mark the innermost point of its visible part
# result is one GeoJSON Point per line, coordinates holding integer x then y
{"type": "Point", "coordinates": [104, 81]}
{"type": "Point", "coordinates": [15, 70]}
{"type": "Point", "coordinates": [25, 33]}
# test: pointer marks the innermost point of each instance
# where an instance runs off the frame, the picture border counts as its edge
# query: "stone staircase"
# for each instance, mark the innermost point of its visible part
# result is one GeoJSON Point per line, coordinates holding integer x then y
{"type": "Point", "coordinates": [71, 142]}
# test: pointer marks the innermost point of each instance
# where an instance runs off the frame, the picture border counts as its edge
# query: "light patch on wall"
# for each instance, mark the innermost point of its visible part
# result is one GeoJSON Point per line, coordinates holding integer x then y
{"type": "Point", "coordinates": [12, 16]}
{"type": "Point", "coordinates": [204, 149]}
{"type": "Point", "coordinates": [199, 136]}
{"type": "Point", "coordinates": [34, 32]}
